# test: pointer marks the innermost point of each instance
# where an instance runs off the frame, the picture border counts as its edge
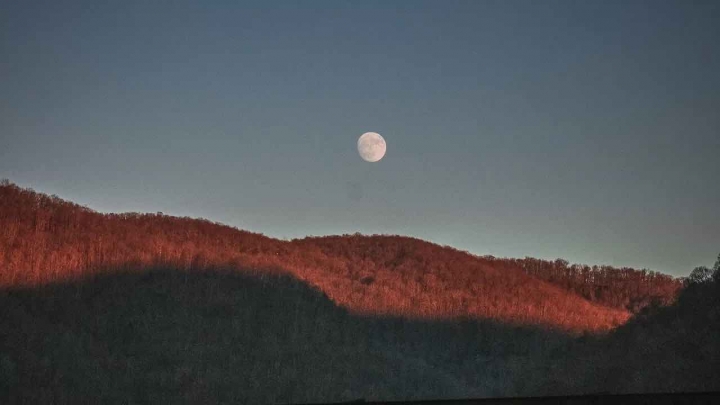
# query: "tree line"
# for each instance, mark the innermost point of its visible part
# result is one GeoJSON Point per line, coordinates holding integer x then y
{"type": "Point", "coordinates": [623, 287]}
{"type": "Point", "coordinates": [45, 239]}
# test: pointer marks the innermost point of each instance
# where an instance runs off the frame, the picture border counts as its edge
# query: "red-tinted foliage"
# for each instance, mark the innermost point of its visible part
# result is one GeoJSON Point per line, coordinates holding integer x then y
{"type": "Point", "coordinates": [44, 239]}
{"type": "Point", "coordinates": [622, 288]}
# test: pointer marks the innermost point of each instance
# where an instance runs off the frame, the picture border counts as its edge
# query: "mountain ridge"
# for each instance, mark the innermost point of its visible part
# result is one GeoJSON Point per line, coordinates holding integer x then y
{"type": "Point", "coordinates": [45, 238]}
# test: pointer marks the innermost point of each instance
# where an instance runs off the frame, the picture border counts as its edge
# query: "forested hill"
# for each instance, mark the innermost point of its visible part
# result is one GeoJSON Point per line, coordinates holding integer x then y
{"type": "Point", "coordinates": [623, 288]}
{"type": "Point", "coordinates": [44, 239]}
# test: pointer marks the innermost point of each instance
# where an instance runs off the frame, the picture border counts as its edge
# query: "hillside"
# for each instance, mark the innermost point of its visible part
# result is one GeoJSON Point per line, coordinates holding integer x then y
{"type": "Point", "coordinates": [186, 337]}
{"type": "Point", "coordinates": [45, 239]}
{"type": "Point", "coordinates": [672, 348]}
{"type": "Point", "coordinates": [147, 308]}
{"type": "Point", "coordinates": [168, 335]}
{"type": "Point", "coordinates": [621, 288]}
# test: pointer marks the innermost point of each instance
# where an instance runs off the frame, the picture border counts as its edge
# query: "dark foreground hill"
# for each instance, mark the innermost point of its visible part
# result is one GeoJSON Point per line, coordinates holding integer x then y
{"type": "Point", "coordinates": [170, 336]}
{"type": "Point", "coordinates": [45, 239]}
{"type": "Point", "coordinates": [161, 335]}
{"type": "Point", "coordinates": [662, 349]}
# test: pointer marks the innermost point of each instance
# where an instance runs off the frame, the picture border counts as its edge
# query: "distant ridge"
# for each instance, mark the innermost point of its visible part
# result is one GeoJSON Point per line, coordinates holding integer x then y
{"type": "Point", "coordinates": [622, 288]}
{"type": "Point", "coordinates": [44, 239]}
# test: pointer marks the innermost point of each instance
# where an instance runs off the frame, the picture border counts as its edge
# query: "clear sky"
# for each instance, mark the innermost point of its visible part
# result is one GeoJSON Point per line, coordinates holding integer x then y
{"type": "Point", "coordinates": [587, 130]}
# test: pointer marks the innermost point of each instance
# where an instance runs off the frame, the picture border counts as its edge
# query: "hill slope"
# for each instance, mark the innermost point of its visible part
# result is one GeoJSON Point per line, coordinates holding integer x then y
{"type": "Point", "coordinates": [621, 288]}
{"type": "Point", "coordinates": [167, 335]}
{"type": "Point", "coordinates": [672, 348]}
{"type": "Point", "coordinates": [44, 239]}
{"type": "Point", "coordinates": [170, 336]}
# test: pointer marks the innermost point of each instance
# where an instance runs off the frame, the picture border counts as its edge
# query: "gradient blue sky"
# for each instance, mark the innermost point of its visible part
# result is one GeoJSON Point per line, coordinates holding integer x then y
{"type": "Point", "coordinates": [575, 129]}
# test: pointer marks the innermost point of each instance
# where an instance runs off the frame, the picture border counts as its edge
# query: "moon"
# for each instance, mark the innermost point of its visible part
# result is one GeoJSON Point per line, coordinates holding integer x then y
{"type": "Point", "coordinates": [371, 146]}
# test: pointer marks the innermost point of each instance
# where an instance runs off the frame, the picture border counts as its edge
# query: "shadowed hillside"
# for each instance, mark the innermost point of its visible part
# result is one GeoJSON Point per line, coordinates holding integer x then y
{"type": "Point", "coordinates": [671, 348]}
{"type": "Point", "coordinates": [171, 336]}
{"type": "Point", "coordinates": [44, 239]}
{"type": "Point", "coordinates": [163, 335]}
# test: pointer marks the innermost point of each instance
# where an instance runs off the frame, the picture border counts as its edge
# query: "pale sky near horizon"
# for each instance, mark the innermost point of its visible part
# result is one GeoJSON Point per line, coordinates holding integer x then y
{"type": "Point", "coordinates": [583, 130]}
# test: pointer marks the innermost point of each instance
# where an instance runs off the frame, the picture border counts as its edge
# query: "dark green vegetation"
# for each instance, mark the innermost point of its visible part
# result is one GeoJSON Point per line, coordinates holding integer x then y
{"type": "Point", "coordinates": [168, 335]}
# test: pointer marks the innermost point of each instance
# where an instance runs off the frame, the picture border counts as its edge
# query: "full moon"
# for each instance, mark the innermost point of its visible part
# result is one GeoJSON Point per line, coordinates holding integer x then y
{"type": "Point", "coordinates": [371, 146]}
